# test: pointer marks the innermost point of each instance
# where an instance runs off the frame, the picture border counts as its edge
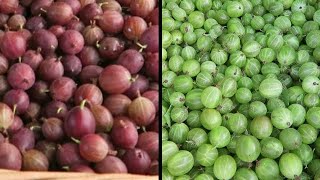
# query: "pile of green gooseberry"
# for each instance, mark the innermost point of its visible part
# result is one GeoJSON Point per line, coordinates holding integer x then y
{"type": "Point", "coordinates": [240, 89]}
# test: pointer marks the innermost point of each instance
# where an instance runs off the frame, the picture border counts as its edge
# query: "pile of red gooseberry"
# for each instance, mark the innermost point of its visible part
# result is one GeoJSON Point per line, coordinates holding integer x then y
{"type": "Point", "coordinates": [79, 85]}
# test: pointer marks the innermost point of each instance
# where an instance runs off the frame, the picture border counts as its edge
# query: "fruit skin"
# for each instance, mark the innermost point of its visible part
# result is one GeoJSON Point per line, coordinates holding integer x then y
{"type": "Point", "coordinates": [34, 160]}
{"type": "Point", "coordinates": [115, 79]}
{"type": "Point", "coordinates": [21, 76]}
{"type": "Point", "coordinates": [60, 13]}
{"type": "Point", "coordinates": [124, 133]}
{"type": "Point", "coordinates": [6, 116]}
{"type": "Point", "coordinates": [44, 40]}
{"type": "Point", "coordinates": [219, 136]}
{"type": "Point", "coordinates": [281, 118]}
{"type": "Point", "coordinates": [76, 44]}
{"type": "Point", "coordinates": [290, 138]}
{"type": "Point", "coordinates": [312, 117]}
{"type": "Point", "coordinates": [103, 117]}
{"type": "Point", "coordinates": [92, 34]}
{"type": "Point", "coordinates": [88, 92]}
{"type": "Point", "coordinates": [271, 147]}
{"type": "Point", "coordinates": [8, 7]}
{"type": "Point", "coordinates": [111, 22]}
{"type": "Point", "coordinates": [225, 167]}
{"type": "Point", "coordinates": [142, 111]}
{"type": "Point", "coordinates": [50, 69]}
{"type": "Point", "coordinates": [111, 164]}
{"type": "Point", "coordinates": [13, 45]}
{"type": "Point", "coordinates": [52, 129]}
{"type": "Point", "coordinates": [18, 100]}
{"type": "Point", "coordinates": [149, 142]}
{"type": "Point", "coordinates": [93, 148]}
{"type": "Point", "coordinates": [180, 163]}
{"type": "Point", "coordinates": [261, 127]}
{"type": "Point", "coordinates": [89, 12]}
{"type": "Point", "coordinates": [68, 154]}
{"type": "Point", "coordinates": [169, 148]}
{"type": "Point", "coordinates": [81, 168]}
{"type": "Point", "coordinates": [117, 104]}
{"type": "Point", "coordinates": [248, 148]}
{"type": "Point", "coordinates": [151, 66]}
{"type": "Point", "coordinates": [245, 173]}
{"type": "Point", "coordinates": [142, 8]}
{"type": "Point", "coordinates": [267, 168]}
{"type": "Point", "coordinates": [137, 161]}
{"type": "Point", "coordinates": [56, 109]}
{"type": "Point", "coordinates": [79, 122]}
{"type": "Point", "coordinates": [275, 88]}
{"type": "Point", "coordinates": [290, 165]}
{"type": "Point", "coordinates": [15, 126]}
{"type": "Point", "coordinates": [148, 38]}
{"type": "Point", "coordinates": [62, 89]}
{"type": "Point", "coordinates": [10, 157]}
{"type": "Point", "coordinates": [4, 64]}
{"type": "Point", "coordinates": [134, 26]}
{"type": "Point", "coordinates": [49, 149]}
{"type": "Point", "coordinates": [24, 139]}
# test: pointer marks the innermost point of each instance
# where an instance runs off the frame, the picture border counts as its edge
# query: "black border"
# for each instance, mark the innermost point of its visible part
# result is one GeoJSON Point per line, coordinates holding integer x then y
{"type": "Point", "coordinates": [160, 88]}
